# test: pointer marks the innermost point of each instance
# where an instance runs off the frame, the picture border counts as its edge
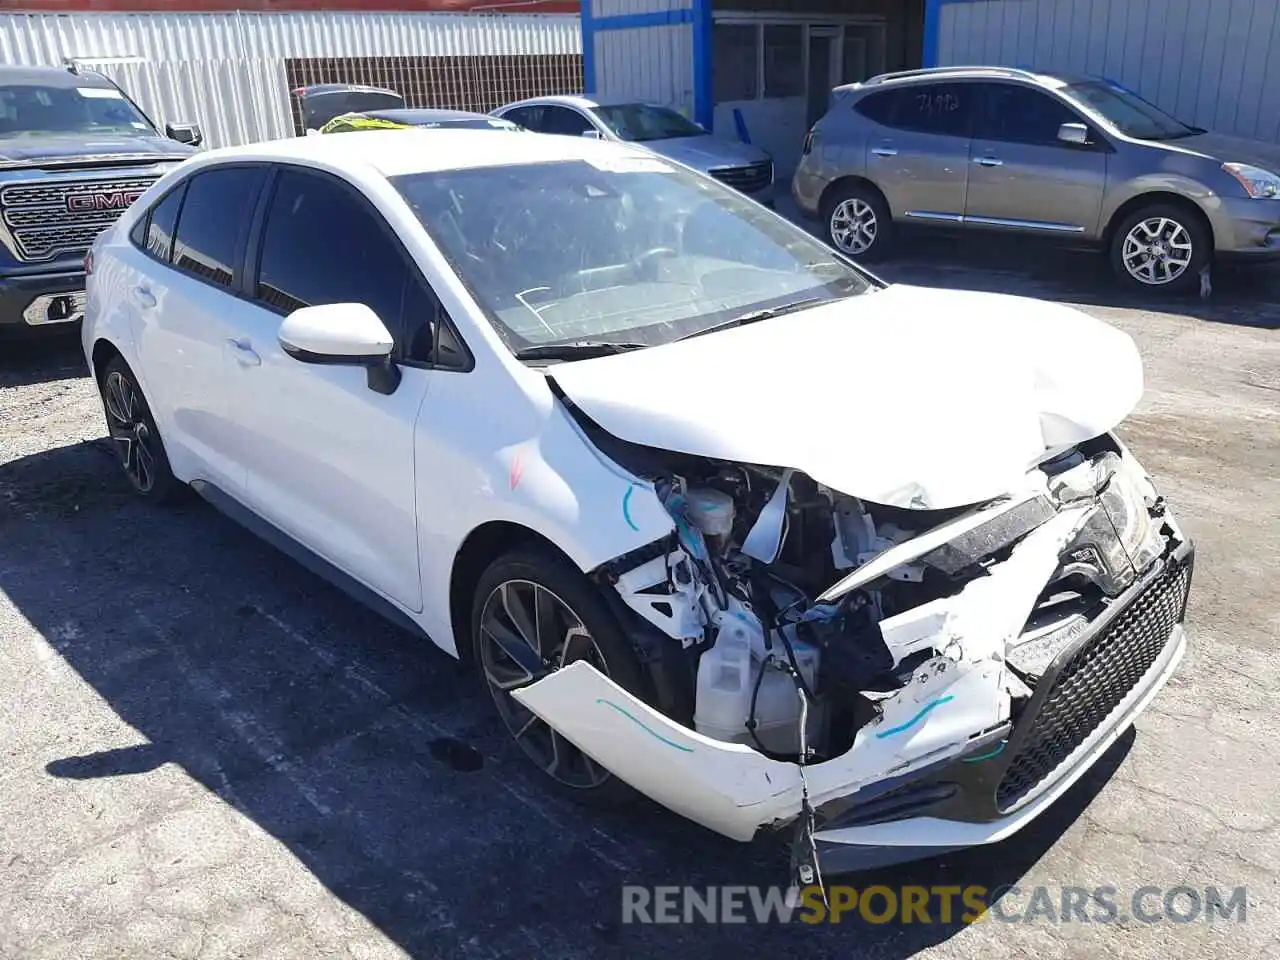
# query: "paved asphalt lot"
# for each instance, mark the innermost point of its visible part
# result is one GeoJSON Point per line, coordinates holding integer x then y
{"type": "Point", "coordinates": [207, 752]}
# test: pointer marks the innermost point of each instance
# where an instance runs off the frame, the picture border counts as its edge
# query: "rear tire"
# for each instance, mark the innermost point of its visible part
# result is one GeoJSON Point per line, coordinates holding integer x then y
{"type": "Point", "coordinates": [135, 436]}
{"type": "Point", "coordinates": [857, 221]}
{"type": "Point", "coordinates": [567, 619]}
{"type": "Point", "coordinates": [1160, 247]}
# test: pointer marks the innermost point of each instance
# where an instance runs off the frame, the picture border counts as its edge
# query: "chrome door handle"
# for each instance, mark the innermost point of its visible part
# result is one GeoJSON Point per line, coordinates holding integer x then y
{"type": "Point", "coordinates": [245, 354]}
{"type": "Point", "coordinates": [144, 297]}
{"type": "Point", "coordinates": [988, 161]}
{"type": "Point", "coordinates": [884, 151]}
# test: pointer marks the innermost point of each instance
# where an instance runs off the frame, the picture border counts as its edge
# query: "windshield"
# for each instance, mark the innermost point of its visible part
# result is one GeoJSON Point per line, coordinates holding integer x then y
{"type": "Point", "coordinates": [643, 121]}
{"type": "Point", "coordinates": [1127, 111]}
{"type": "Point", "coordinates": [35, 111]}
{"type": "Point", "coordinates": [626, 250]}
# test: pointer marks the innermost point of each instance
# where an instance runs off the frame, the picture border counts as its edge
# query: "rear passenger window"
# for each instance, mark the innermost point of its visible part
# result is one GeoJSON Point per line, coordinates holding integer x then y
{"type": "Point", "coordinates": [215, 216]}
{"type": "Point", "coordinates": [877, 107]}
{"type": "Point", "coordinates": [941, 108]}
{"type": "Point", "coordinates": [154, 232]}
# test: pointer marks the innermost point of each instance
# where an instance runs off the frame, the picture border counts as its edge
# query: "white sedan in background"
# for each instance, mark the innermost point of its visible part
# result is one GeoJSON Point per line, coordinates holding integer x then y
{"type": "Point", "coordinates": [717, 515]}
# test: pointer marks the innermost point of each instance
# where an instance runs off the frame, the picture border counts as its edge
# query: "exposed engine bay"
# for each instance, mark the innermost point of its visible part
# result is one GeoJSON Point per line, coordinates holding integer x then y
{"type": "Point", "coordinates": [805, 609]}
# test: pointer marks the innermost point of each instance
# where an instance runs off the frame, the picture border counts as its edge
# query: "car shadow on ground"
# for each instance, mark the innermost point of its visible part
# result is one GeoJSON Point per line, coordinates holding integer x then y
{"type": "Point", "coordinates": [374, 759]}
{"type": "Point", "coordinates": [31, 359]}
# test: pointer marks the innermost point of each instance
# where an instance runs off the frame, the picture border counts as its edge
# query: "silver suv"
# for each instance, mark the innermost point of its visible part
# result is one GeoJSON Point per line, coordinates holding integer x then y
{"type": "Point", "coordinates": [1078, 158]}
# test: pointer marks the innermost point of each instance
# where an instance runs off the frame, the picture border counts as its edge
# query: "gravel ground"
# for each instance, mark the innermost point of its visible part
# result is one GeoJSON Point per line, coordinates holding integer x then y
{"type": "Point", "coordinates": [210, 753]}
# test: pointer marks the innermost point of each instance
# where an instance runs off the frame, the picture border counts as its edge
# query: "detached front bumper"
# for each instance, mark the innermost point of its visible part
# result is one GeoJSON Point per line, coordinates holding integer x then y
{"type": "Point", "coordinates": [1086, 700]}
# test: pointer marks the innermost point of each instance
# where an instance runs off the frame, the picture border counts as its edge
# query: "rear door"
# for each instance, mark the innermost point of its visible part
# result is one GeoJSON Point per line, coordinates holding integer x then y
{"type": "Point", "coordinates": [1021, 176]}
{"type": "Point", "coordinates": [328, 460]}
{"type": "Point", "coordinates": [918, 148]}
{"type": "Point", "coordinates": [186, 312]}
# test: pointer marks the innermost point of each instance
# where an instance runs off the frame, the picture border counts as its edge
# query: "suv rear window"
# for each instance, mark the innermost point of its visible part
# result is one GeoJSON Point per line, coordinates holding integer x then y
{"type": "Point", "coordinates": [939, 108]}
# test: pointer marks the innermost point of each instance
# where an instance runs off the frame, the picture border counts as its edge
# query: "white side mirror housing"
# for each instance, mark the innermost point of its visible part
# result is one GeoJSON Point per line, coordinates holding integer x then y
{"type": "Point", "coordinates": [342, 334]}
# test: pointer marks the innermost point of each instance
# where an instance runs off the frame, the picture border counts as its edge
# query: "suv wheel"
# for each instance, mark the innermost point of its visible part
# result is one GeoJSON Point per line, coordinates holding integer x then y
{"type": "Point", "coordinates": [857, 221]}
{"type": "Point", "coordinates": [534, 612]}
{"type": "Point", "coordinates": [134, 435]}
{"type": "Point", "coordinates": [1160, 247]}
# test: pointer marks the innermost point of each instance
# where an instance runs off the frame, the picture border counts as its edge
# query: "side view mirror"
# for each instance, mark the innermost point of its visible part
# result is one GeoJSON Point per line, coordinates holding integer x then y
{"type": "Point", "coordinates": [1075, 133]}
{"type": "Point", "coordinates": [591, 134]}
{"type": "Point", "coordinates": [188, 133]}
{"type": "Point", "coordinates": [342, 334]}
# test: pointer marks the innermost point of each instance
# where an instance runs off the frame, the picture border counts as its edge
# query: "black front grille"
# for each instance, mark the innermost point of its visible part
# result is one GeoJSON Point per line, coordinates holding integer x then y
{"type": "Point", "coordinates": [748, 179]}
{"type": "Point", "coordinates": [1091, 684]}
{"type": "Point", "coordinates": [47, 218]}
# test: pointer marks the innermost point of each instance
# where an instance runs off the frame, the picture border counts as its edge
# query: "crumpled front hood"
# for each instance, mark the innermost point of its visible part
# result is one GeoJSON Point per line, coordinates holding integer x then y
{"type": "Point", "coordinates": [910, 396]}
{"type": "Point", "coordinates": [704, 153]}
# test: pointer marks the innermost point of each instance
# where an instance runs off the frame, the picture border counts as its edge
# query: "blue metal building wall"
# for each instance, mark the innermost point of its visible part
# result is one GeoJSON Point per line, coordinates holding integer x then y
{"type": "Point", "coordinates": [1212, 63]}
{"type": "Point", "coordinates": [654, 29]}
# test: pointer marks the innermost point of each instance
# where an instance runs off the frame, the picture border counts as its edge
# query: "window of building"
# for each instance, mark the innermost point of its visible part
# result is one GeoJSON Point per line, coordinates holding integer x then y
{"type": "Point", "coordinates": [784, 60]}
{"type": "Point", "coordinates": [737, 61]}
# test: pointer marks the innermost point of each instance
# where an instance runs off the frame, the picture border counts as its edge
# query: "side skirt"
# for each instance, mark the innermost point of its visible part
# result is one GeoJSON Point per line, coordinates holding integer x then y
{"type": "Point", "coordinates": [232, 508]}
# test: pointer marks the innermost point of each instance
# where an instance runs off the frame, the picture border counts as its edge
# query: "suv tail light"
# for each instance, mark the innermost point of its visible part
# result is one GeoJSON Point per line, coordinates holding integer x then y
{"type": "Point", "coordinates": [88, 262]}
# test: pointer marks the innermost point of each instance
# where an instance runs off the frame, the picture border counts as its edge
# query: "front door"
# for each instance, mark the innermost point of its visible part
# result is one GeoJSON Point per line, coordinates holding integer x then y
{"type": "Point", "coordinates": [328, 460]}
{"type": "Point", "coordinates": [1022, 177]}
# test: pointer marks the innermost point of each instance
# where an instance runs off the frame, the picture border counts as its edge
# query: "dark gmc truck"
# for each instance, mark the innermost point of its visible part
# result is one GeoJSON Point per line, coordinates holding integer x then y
{"type": "Point", "coordinates": [75, 151]}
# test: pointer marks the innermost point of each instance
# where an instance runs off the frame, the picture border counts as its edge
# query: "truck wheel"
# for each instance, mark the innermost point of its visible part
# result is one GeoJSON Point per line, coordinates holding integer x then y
{"type": "Point", "coordinates": [534, 607]}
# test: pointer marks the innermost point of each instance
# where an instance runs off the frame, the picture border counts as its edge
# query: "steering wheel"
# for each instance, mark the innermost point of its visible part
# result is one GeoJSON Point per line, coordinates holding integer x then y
{"type": "Point", "coordinates": [646, 258]}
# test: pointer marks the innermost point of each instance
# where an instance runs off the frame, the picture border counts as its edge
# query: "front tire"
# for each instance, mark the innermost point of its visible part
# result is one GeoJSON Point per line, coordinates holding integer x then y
{"type": "Point", "coordinates": [1161, 247]}
{"type": "Point", "coordinates": [857, 221]}
{"type": "Point", "coordinates": [134, 435]}
{"type": "Point", "coordinates": [536, 605]}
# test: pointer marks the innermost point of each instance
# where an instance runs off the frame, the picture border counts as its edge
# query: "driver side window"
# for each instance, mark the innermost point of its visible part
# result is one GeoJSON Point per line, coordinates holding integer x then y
{"type": "Point", "coordinates": [322, 243]}
{"type": "Point", "coordinates": [562, 120]}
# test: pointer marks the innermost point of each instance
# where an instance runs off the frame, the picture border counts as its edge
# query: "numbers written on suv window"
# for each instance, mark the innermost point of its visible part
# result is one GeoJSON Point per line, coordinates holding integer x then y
{"type": "Point", "coordinates": [938, 108]}
{"type": "Point", "coordinates": [322, 243]}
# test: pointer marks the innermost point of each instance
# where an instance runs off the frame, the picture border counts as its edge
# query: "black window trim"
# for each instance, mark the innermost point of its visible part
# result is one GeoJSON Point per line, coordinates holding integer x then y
{"type": "Point", "coordinates": [143, 223]}
{"type": "Point", "coordinates": [237, 257]}
{"type": "Point", "coordinates": [252, 263]}
{"type": "Point", "coordinates": [1098, 141]}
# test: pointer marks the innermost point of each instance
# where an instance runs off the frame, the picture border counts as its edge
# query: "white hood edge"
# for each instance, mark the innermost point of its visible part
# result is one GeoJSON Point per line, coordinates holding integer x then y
{"type": "Point", "coordinates": [910, 396]}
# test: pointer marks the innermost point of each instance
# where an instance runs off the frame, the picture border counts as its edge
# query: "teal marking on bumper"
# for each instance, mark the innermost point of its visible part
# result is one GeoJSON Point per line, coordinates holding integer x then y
{"type": "Point", "coordinates": [989, 754]}
{"type": "Point", "coordinates": [643, 726]}
{"type": "Point", "coordinates": [928, 708]}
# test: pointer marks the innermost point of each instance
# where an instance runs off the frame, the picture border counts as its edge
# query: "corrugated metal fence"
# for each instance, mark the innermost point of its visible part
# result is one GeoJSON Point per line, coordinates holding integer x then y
{"type": "Point", "coordinates": [227, 71]}
{"type": "Point", "coordinates": [1214, 64]}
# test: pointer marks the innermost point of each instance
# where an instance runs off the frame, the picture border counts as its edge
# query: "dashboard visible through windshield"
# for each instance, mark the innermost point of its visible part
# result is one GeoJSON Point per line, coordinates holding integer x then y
{"type": "Point", "coordinates": [632, 251]}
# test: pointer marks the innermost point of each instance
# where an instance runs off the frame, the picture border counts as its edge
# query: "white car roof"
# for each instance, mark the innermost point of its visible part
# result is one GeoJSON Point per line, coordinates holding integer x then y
{"type": "Point", "coordinates": [393, 153]}
{"type": "Point", "coordinates": [573, 100]}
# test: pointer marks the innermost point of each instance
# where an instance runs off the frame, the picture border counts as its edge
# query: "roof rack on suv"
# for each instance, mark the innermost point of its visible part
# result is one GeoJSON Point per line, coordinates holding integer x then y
{"type": "Point", "coordinates": [944, 71]}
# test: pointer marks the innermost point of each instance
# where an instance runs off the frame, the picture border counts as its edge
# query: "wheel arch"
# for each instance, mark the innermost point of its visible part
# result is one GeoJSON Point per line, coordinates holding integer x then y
{"type": "Point", "coordinates": [103, 351]}
{"type": "Point", "coordinates": [1151, 199]}
{"type": "Point", "coordinates": [840, 183]}
{"type": "Point", "coordinates": [479, 549]}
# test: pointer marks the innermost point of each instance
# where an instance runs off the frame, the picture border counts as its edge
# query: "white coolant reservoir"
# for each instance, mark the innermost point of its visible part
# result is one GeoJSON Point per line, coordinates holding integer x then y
{"type": "Point", "coordinates": [727, 675]}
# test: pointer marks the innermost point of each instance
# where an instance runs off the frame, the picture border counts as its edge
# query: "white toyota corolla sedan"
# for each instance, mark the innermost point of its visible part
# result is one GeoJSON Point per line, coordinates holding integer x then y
{"type": "Point", "coordinates": [717, 515]}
